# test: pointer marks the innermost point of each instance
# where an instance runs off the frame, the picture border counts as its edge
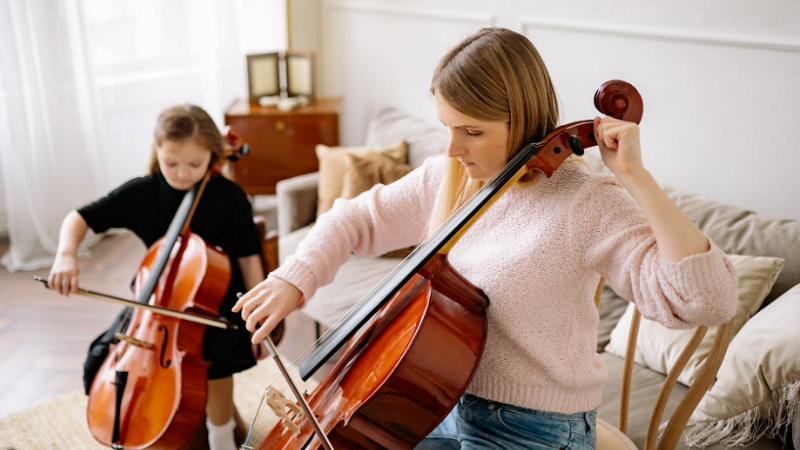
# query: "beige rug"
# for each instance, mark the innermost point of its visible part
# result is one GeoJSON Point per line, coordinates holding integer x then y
{"type": "Point", "coordinates": [61, 423]}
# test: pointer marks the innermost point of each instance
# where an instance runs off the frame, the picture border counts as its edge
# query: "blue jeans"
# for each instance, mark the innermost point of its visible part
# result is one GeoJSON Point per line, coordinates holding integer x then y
{"type": "Point", "coordinates": [477, 423]}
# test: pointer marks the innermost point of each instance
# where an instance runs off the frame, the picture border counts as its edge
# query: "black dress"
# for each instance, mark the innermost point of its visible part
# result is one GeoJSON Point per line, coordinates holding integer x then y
{"type": "Point", "coordinates": [223, 218]}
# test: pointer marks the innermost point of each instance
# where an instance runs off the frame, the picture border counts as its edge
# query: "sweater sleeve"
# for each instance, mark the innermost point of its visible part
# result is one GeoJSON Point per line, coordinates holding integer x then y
{"type": "Point", "coordinates": [382, 219]}
{"type": "Point", "coordinates": [611, 235]}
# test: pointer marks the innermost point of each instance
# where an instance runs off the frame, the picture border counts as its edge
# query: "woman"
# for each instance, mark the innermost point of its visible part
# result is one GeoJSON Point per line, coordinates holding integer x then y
{"type": "Point", "coordinates": [538, 253]}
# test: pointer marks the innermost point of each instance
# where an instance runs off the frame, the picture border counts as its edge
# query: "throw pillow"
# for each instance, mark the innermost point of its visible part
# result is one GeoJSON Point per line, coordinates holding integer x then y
{"type": "Point", "coordinates": [658, 347]}
{"type": "Point", "coordinates": [362, 173]}
{"type": "Point", "coordinates": [757, 391]}
{"type": "Point", "coordinates": [332, 166]}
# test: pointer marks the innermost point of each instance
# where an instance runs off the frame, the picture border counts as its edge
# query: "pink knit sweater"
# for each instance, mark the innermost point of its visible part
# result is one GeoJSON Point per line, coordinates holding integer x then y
{"type": "Point", "coordinates": [538, 254]}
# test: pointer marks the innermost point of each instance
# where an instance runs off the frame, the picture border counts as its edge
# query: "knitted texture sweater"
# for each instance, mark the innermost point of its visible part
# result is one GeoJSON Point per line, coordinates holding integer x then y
{"type": "Point", "coordinates": [538, 254]}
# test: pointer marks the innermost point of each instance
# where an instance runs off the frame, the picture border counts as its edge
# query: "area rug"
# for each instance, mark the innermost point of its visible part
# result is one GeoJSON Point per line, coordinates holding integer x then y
{"type": "Point", "coordinates": [60, 424]}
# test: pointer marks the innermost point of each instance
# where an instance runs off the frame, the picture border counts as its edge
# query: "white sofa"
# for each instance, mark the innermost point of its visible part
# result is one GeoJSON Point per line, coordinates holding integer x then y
{"type": "Point", "coordinates": [733, 229]}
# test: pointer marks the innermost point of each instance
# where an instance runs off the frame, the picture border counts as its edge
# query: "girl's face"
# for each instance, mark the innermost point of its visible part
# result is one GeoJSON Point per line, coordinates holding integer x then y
{"type": "Point", "coordinates": [480, 146]}
{"type": "Point", "coordinates": [183, 163]}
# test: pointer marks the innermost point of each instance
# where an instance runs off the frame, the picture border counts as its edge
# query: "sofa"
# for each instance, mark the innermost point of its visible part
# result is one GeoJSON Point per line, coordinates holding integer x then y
{"type": "Point", "coordinates": [772, 244]}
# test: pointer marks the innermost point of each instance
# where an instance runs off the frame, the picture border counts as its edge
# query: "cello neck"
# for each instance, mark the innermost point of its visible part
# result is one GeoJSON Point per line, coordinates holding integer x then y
{"type": "Point", "coordinates": [178, 227]}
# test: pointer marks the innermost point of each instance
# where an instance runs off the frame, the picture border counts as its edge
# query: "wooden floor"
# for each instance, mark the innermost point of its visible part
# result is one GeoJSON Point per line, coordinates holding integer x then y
{"type": "Point", "coordinates": [44, 336]}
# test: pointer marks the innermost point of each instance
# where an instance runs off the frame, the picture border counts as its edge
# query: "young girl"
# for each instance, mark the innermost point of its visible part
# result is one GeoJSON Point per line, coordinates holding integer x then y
{"type": "Point", "coordinates": [186, 144]}
{"type": "Point", "coordinates": [538, 253]}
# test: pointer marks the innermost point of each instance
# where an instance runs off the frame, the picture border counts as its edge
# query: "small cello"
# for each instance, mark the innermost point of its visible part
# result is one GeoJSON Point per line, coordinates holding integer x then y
{"type": "Point", "coordinates": [412, 345]}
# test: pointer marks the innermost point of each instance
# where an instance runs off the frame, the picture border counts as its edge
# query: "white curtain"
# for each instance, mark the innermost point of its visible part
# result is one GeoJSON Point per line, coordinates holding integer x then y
{"type": "Point", "coordinates": [81, 83]}
{"type": "Point", "coordinates": [49, 148]}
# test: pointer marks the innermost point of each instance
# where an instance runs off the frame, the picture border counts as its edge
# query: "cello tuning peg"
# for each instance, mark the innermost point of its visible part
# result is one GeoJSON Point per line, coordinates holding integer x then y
{"type": "Point", "coordinates": [576, 145]}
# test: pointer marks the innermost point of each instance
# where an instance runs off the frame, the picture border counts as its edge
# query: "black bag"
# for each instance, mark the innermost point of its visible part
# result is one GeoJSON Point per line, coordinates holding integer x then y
{"type": "Point", "coordinates": [98, 349]}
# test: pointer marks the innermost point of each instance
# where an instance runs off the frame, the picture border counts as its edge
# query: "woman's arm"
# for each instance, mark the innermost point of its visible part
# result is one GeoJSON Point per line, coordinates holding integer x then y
{"type": "Point", "coordinates": [677, 236]}
{"type": "Point", "coordinates": [64, 273]}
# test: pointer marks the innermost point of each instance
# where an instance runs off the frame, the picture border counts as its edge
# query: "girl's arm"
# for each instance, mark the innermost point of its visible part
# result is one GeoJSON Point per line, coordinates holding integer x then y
{"type": "Point", "coordinates": [64, 273]}
{"type": "Point", "coordinates": [676, 235]}
{"type": "Point", "coordinates": [252, 270]}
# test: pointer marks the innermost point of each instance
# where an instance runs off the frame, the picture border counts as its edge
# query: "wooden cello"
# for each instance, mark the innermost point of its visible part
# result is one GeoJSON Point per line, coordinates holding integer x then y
{"type": "Point", "coordinates": [150, 391]}
{"type": "Point", "coordinates": [412, 345]}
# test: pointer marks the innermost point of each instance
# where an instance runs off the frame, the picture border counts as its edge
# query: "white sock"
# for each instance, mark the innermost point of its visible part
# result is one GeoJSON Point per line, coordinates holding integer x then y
{"type": "Point", "coordinates": [220, 437]}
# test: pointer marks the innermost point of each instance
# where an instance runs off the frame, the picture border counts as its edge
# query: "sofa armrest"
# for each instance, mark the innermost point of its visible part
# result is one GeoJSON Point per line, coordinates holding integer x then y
{"type": "Point", "coordinates": [297, 202]}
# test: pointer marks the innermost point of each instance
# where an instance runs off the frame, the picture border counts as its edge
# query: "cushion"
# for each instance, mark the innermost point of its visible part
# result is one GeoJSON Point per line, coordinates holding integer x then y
{"type": "Point", "coordinates": [658, 347]}
{"type": "Point", "coordinates": [758, 385]}
{"type": "Point", "coordinates": [332, 166]}
{"type": "Point", "coordinates": [362, 173]}
{"type": "Point", "coordinates": [425, 138]}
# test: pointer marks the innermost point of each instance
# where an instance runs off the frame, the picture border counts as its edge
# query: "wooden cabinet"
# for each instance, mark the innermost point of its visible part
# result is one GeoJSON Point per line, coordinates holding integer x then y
{"type": "Point", "coordinates": [281, 142]}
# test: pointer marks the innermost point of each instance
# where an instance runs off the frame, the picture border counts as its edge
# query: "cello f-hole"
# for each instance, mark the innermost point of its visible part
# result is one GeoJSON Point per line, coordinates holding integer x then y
{"type": "Point", "coordinates": [164, 347]}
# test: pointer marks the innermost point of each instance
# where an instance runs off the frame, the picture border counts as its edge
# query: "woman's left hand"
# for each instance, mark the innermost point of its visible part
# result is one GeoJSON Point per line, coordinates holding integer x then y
{"type": "Point", "coordinates": [619, 145]}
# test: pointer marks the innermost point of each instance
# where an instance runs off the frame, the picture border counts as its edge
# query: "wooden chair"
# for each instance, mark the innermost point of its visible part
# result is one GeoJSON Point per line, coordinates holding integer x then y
{"type": "Point", "coordinates": [611, 438]}
{"type": "Point", "coordinates": [269, 260]}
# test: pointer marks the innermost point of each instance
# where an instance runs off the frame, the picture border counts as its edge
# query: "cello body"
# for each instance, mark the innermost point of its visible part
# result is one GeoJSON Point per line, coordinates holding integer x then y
{"type": "Point", "coordinates": [164, 401]}
{"type": "Point", "coordinates": [406, 369]}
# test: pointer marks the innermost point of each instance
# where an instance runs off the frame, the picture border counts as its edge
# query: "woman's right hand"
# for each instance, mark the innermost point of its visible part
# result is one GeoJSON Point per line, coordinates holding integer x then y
{"type": "Point", "coordinates": [267, 304]}
{"type": "Point", "coordinates": [64, 275]}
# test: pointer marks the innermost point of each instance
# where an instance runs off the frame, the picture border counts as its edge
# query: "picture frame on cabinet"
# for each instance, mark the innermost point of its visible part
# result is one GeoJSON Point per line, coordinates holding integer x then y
{"type": "Point", "coordinates": [263, 75]}
{"type": "Point", "coordinates": [299, 73]}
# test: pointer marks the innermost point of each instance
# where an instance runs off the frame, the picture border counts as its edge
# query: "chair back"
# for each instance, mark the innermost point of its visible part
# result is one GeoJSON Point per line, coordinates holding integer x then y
{"type": "Point", "coordinates": [677, 422]}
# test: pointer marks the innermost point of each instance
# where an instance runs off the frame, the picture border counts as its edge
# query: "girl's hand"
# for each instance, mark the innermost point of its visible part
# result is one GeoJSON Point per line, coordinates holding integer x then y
{"type": "Point", "coordinates": [260, 350]}
{"type": "Point", "coordinates": [619, 146]}
{"type": "Point", "coordinates": [63, 276]}
{"type": "Point", "coordinates": [266, 305]}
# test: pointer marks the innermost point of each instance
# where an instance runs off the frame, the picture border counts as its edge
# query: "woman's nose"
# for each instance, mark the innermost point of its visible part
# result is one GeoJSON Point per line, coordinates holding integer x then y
{"type": "Point", "coordinates": [454, 148]}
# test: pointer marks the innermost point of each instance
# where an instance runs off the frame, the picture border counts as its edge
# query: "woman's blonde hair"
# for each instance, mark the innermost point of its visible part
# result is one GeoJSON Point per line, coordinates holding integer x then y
{"type": "Point", "coordinates": [181, 122]}
{"type": "Point", "coordinates": [493, 75]}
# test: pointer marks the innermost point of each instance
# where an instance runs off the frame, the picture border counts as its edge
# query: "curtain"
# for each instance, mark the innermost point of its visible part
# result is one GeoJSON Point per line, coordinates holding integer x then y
{"type": "Point", "coordinates": [49, 150]}
{"type": "Point", "coordinates": [81, 84]}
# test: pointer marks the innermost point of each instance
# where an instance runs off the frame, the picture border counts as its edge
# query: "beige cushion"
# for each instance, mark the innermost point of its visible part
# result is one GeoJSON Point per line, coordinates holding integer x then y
{"type": "Point", "coordinates": [332, 167]}
{"type": "Point", "coordinates": [658, 347]}
{"type": "Point", "coordinates": [758, 384]}
{"type": "Point", "coordinates": [360, 174]}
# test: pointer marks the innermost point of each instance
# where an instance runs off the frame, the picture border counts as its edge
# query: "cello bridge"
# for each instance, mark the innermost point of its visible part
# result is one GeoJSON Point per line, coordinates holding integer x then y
{"type": "Point", "coordinates": [278, 403]}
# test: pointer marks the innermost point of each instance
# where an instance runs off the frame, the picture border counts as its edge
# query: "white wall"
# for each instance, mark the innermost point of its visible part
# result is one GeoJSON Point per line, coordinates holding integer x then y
{"type": "Point", "coordinates": [719, 79]}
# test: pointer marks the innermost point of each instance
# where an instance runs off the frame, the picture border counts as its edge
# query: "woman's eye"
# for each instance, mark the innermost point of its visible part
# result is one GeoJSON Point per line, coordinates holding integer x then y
{"type": "Point", "coordinates": [473, 133]}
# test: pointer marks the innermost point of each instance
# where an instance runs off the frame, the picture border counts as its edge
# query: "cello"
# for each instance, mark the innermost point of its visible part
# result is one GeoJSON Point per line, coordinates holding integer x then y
{"type": "Point", "coordinates": [150, 391]}
{"type": "Point", "coordinates": [411, 346]}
